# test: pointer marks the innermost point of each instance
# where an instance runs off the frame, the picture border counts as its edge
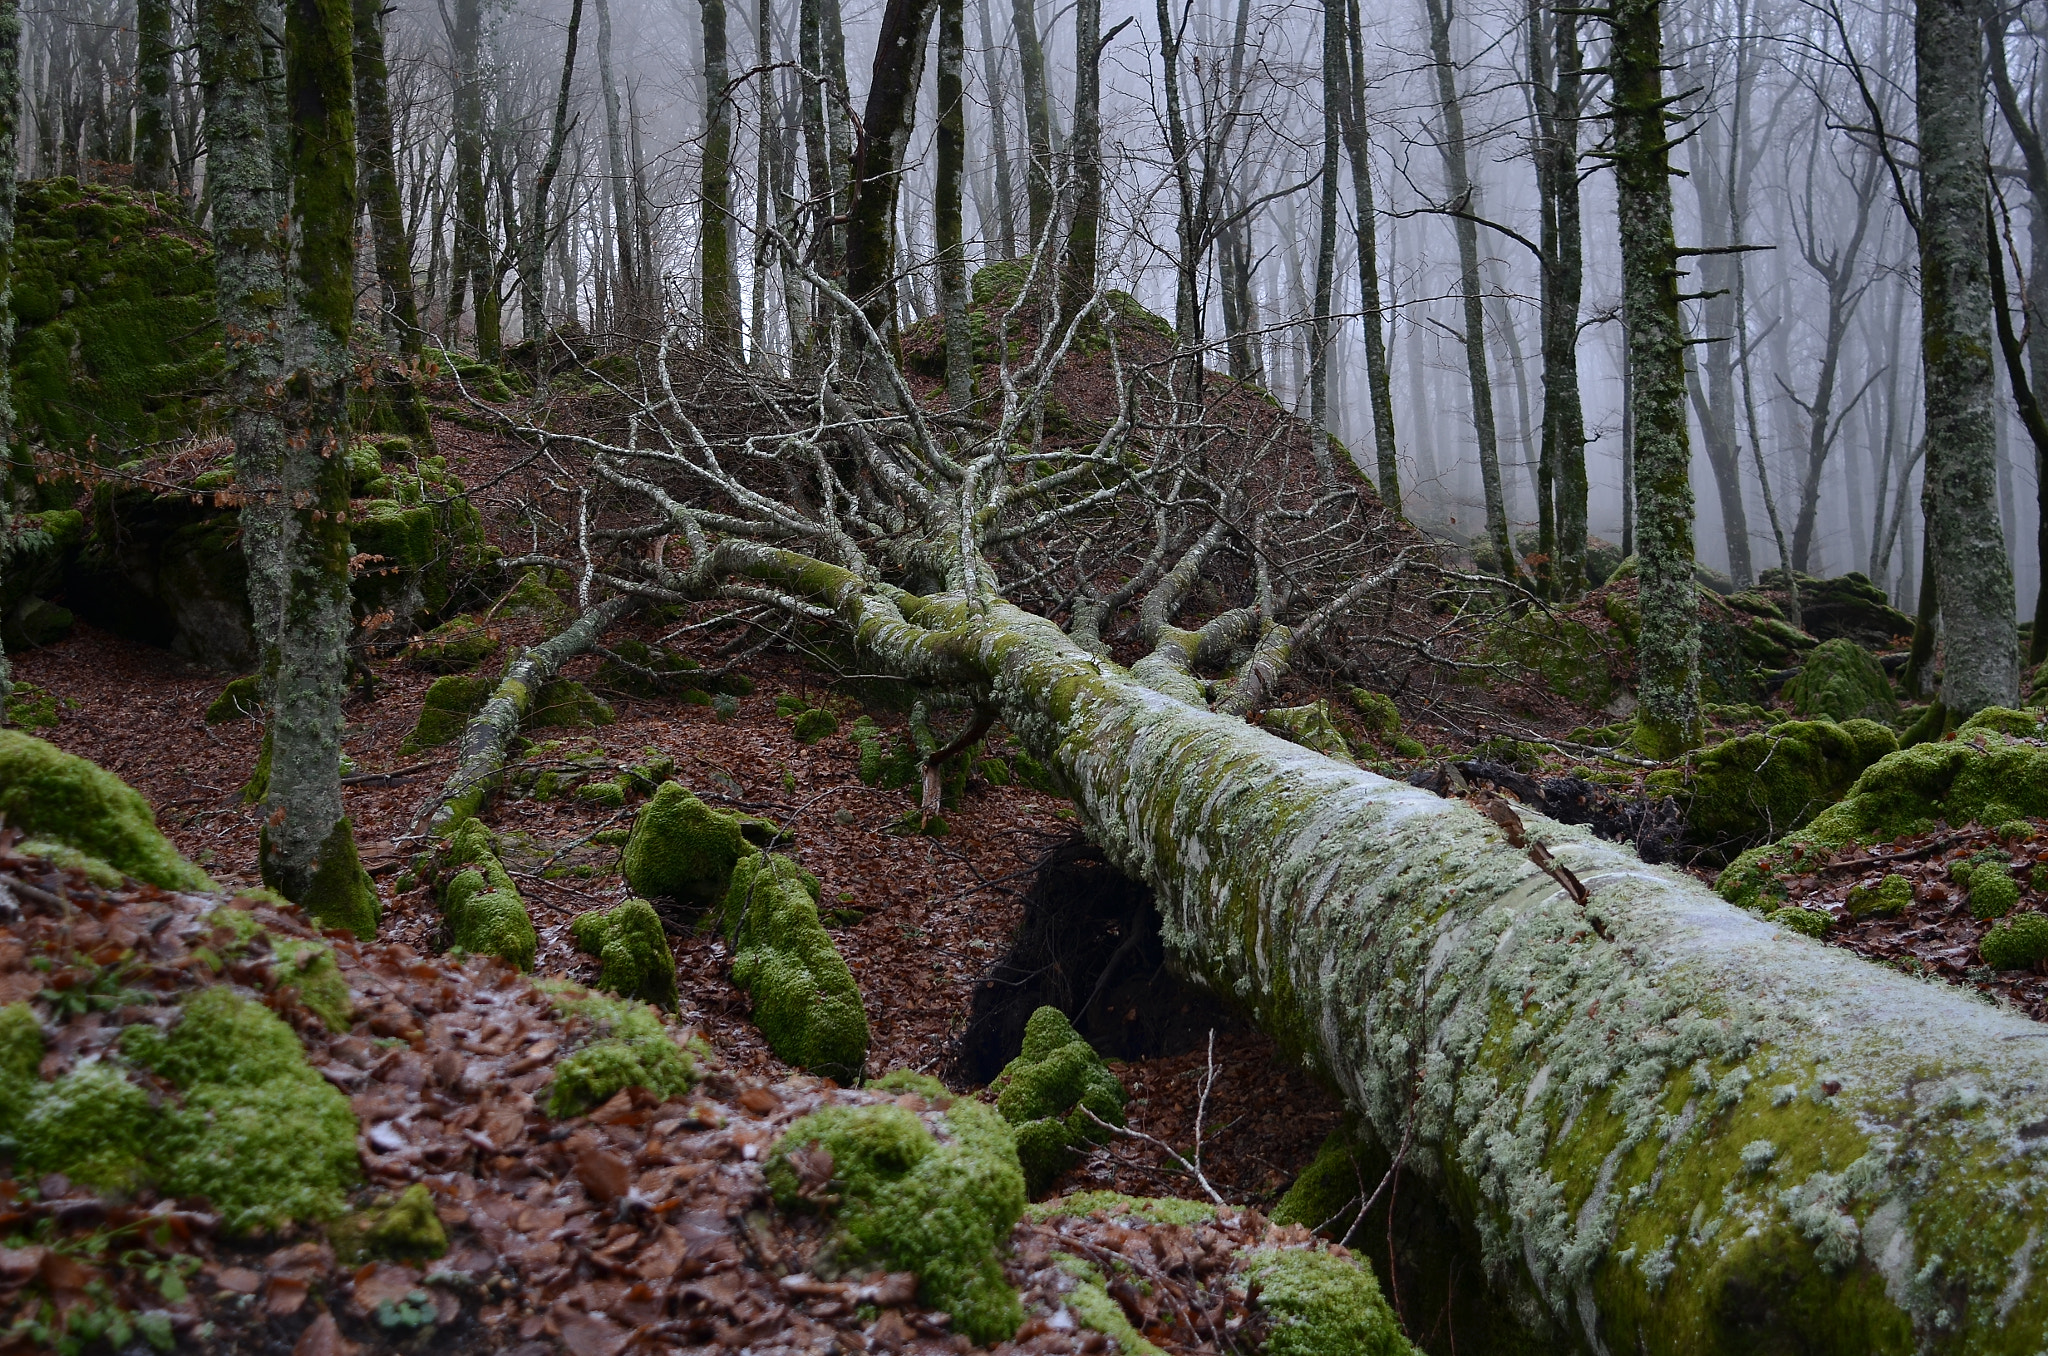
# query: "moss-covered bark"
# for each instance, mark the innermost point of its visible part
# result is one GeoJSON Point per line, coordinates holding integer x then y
{"type": "Point", "coordinates": [10, 122]}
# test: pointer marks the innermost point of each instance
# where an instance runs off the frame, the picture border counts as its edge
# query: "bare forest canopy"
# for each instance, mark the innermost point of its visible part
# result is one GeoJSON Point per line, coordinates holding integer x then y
{"type": "Point", "coordinates": [1493, 557]}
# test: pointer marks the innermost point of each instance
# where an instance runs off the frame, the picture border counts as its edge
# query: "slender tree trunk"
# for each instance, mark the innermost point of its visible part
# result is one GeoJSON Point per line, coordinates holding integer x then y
{"type": "Point", "coordinates": [1038, 189]}
{"type": "Point", "coordinates": [153, 91]}
{"type": "Point", "coordinates": [1378, 380]}
{"type": "Point", "coordinates": [533, 257]}
{"type": "Point", "coordinates": [10, 161]}
{"type": "Point", "coordinates": [1967, 546]}
{"type": "Point", "coordinates": [1668, 651]}
{"type": "Point", "coordinates": [1240, 299]}
{"type": "Point", "coordinates": [378, 182]}
{"type": "Point", "coordinates": [626, 279]}
{"type": "Point", "coordinates": [308, 846]}
{"type": "Point", "coordinates": [1564, 420]}
{"type": "Point", "coordinates": [1085, 154]}
{"type": "Point", "coordinates": [952, 157]}
{"type": "Point", "coordinates": [469, 266]}
{"type": "Point", "coordinates": [998, 137]}
{"type": "Point", "coordinates": [766, 155]}
{"type": "Point", "coordinates": [1335, 70]}
{"type": "Point", "coordinates": [719, 296]}
{"type": "Point", "coordinates": [891, 118]}
{"type": "Point", "coordinates": [1458, 180]}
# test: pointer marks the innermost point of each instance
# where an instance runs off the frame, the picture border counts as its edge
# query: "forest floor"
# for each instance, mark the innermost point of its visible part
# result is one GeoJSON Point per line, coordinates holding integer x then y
{"type": "Point", "coordinates": [542, 1252]}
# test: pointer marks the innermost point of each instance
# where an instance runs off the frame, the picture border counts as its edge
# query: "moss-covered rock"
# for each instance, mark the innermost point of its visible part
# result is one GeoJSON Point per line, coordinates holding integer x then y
{"type": "Point", "coordinates": [1849, 607]}
{"type": "Point", "coordinates": [455, 646]}
{"type": "Point", "coordinates": [1840, 681]}
{"type": "Point", "coordinates": [1763, 785]}
{"type": "Point", "coordinates": [813, 725]}
{"type": "Point", "coordinates": [565, 704]}
{"type": "Point", "coordinates": [1573, 659]}
{"type": "Point", "coordinates": [340, 894]}
{"type": "Point", "coordinates": [1309, 726]}
{"type": "Point", "coordinates": [447, 707]}
{"type": "Point", "coordinates": [682, 849]}
{"type": "Point", "coordinates": [92, 1125]}
{"type": "Point", "coordinates": [309, 971]}
{"type": "Point", "coordinates": [1322, 1304]}
{"type": "Point", "coordinates": [239, 700]}
{"type": "Point", "coordinates": [117, 339]}
{"type": "Point", "coordinates": [408, 1229]}
{"type": "Point", "coordinates": [805, 1000]}
{"type": "Point", "coordinates": [1377, 714]}
{"type": "Point", "coordinates": [1885, 900]}
{"type": "Point", "coordinates": [484, 911]}
{"type": "Point", "coordinates": [628, 1048]}
{"type": "Point", "coordinates": [51, 794]}
{"type": "Point", "coordinates": [2016, 944]}
{"type": "Point", "coordinates": [1047, 1093]}
{"type": "Point", "coordinates": [167, 569]}
{"type": "Point", "coordinates": [259, 1134]}
{"type": "Point", "coordinates": [1993, 893]}
{"type": "Point", "coordinates": [936, 1194]}
{"type": "Point", "coordinates": [633, 952]}
{"type": "Point", "coordinates": [1810, 922]}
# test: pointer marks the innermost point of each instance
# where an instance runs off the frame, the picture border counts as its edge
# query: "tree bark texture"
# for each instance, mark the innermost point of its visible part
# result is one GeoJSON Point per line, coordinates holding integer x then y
{"type": "Point", "coordinates": [1335, 69]}
{"type": "Point", "coordinates": [1967, 541]}
{"type": "Point", "coordinates": [891, 118]}
{"type": "Point", "coordinates": [952, 164]}
{"type": "Point", "coordinates": [719, 281]}
{"type": "Point", "coordinates": [998, 137]}
{"type": "Point", "coordinates": [1564, 421]}
{"type": "Point", "coordinates": [1668, 650]}
{"type": "Point", "coordinates": [1038, 133]}
{"type": "Point", "coordinates": [1078, 276]}
{"type": "Point", "coordinates": [1378, 380]}
{"type": "Point", "coordinates": [377, 181]}
{"type": "Point", "coordinates": [10, 161]}
{"type": "Point", "coordinates": [626, 291]}
{"type": "Point", "coordinates": [534, 243]}
{"type": "Point", "coordinates": [153, 95]}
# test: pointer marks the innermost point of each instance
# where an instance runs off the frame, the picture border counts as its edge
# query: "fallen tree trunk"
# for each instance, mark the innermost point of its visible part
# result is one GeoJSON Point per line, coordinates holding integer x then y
{"type": "Point", "coordinates": [1671, 1126]}
{"type": "Point", "coordinates": [485, 739]}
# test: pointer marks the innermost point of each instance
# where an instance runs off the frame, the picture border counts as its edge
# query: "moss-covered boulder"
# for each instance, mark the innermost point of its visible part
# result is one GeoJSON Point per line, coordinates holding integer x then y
{"type": "Point", "coordinates": [1577, 661]}
{"type": "Point", "coordinates": [484, 911]}
{"type": "Point", "coordinates": [401, 1229]}
{"type": "Point", "coordinates": [682, 849]}
{"type": "Point", "coordinates": [1888, 899]}
{"type": "Point", "coordinates": [1849, 607]}
{"type": "Point", "coordinates": [33, 558]}
{"type": "Point", "coordinates": [449, 704]}
{"type": "Point", "coordinates": [166, 569]}
{"type": "Point", "coordinates": [48, 793]}
{"type": "Point", "coordinates": [1047, 1093]}
{"type": "Point", "coordinates": [1841, 681]}
{"type": "Point", "coordinates": [455, 646]}
{"type": "Point", "coordinates": [117, 340]}
{"type": "Point", "coordinates": [239, 700]}
{"type": "Point", "coordinates": [1376, 712]}
{"type": "Point", "coordinates": [1309, 726]}
{"type": "Point", "coordinates": [1322, 1303]}
{"type": "Point", "coordinates": [805, 1001]}
{"type": "Point", "coordinates": [626, 1046]}
{"type": "Point", "coordinates": [565, 704]}
{"type": "Point", "coordinates": [1760, 786]}
{"type": "Point", "coordinates": [2016, 944]}
{"type": "Point", "coordinates": [935, 1192]}
{"type": "Point", "coordinates": [633, 952]}
{"type": "Point", "coordinates": [815, 724]}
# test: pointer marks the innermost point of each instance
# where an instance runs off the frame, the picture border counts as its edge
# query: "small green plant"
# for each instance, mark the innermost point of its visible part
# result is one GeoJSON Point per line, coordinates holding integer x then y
{"type": "Point", "coordinates": [2017, 943]}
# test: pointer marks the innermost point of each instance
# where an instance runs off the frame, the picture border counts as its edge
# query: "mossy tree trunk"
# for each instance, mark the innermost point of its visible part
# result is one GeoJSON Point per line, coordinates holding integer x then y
{"type": "Point", "coordinates": [1378, 378]}
{"type": "Point", "coordinates": [1966, 540]}
{"type": "Point", "coordinates": [309, 851]}
{"type": "Point", "coordinates": [878, 168]}
{"type": "Point", "coordinates": [378, 185]}
{"type": "Point", "coordinates": [1038, 128]}
{"type": "Point", "coordinates": [719, 294]}
{"type": "Point", "coordinates": [1668, 664]}
{"type": "Point", "coordinates": [153, 95]}
{"type": "Point", "coordinates": [10, 157]}
{"type": "Point", "coordinates": [533, 256]}
{"type": "Point", "coordinates": [1084, 230]}
{"type": "Point", "coordinates": [952, 163]}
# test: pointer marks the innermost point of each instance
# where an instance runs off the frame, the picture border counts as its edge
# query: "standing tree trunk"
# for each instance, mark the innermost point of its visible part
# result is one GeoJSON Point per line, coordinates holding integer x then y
{"type": "Point", "coordinates": [767, 159]}
{"type": "Point", "coordinates": [378, 181]}
{"type": "Point", "coordinates": [1378, 381]}
{"type": "Point", "coordinates": [469, 266]}
{"type": "Point", "coordinates": [952, 155]}
{"type": "Point", "coordinates": [626, 281]}
{"type": "Point", "coordinates": [534, 239]}
{"type": "Point", "coordinates": [308, 846]}
{"type": "Point", "coordinates": [1078, 275]}
{"type": "Point", "coordinates": [1562, 457]}
{"type": "Point", "coordinates": [10, 162]}
{"type": "Point", "coordinates": [1668, 651]}
{"type": "Point", "coordinates": [1319, 335]}
{"type": "Point", "coordinates": [1713, 392]}
{"type": "Point", "coordinates": [153, 91]}
{"type": "Point", "coordinates": [891, 118]}
{"type": "Point", "coordinates": [998, 138]}
{"type": "Point", "coordinates": [718, 281]}
{"type": "Point", "coordinates": [1458, 182]}
{"type": "Point", "coordinates": [1966, 541]}
{"type": "Point", "coordinates": [1038, 190]}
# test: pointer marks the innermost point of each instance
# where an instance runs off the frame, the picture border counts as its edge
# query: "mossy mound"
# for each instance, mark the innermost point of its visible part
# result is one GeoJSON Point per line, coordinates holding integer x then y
{"type": "Point", "coordinates": [813, 725]}
{"type": "Point", "coordinates": [1377, 714]}
{"type": "Point", "coordinates": [1992, 894]}
{"type": "Point", "coordinates": [118, 336]}
{"type": "Point", "coordinates": [1980, 776]}
{"type": "Point", "coordinates": [484, 911]}
{"type": "Point", "coordinates": [239, 700]}
{"type": "Point", "coordinates": [1323, 1304]}
{"type": "Point", "coordinates": [32, 708]}
{"type": "Point", "coordinates": [906, 1198]}
{"type": "Point", "coordinates": [1328, 1191]}
{"type": "Point", "coordinates": [628, 1048]}
{"type": "Point", "coordinates": [1848, 607]}
{"type": "Point", "coordinates": [530, 596]}
{"type": "Point", "coordinates": [1886, 900]}
{"type": "Point", "coordinates": [50, 794]}
{"type": "Point", "coordinates": [455, 646]}
{"type": "Point", "coordinates": [259, 1133]}
{"type": "Point", "coordinates": [883, 762]}
{"type": "Point", "coordinates": [641, 670]}
{"type": "Point", "coordinates": [446, 709]}
{"type": "Point", "coordinates": [565, 704]}
{"type": "Point", "coordinates": [684, 850]}
{"type": "Point", "coordinates": [805, 1001]}
{"type": "Point", "coordinates": [1047, 1093]}
{"type": "Point", "coordinates": [1808, 922]}
{"type": "Point", "coordinates": [1573, 659]}
{"type": "Point", "coordinates": [404, 1229]}
{"type": "Point", "coordinates": [1841, 681]}
{"type": "Point", "coordinates": [1763, 785]}
{"type": "Point", "coordinates": [2016, 944]}
{"type": "Point", "coordinates": [1309, 726]}
{"type": "Point", "coordinates": [633, 952]}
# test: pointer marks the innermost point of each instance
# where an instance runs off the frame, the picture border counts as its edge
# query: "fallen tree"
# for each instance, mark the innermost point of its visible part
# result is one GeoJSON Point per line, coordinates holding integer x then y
{"type": "Point", "coordinates": [1665, 1125]}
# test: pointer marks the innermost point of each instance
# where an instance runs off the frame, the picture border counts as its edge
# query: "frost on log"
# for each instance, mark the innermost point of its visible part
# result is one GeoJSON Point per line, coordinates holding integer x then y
{"type": "Point", "coordinates": [1665, 1125]}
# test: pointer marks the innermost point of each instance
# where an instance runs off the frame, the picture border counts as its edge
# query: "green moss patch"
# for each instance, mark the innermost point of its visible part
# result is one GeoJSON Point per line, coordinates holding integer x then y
{"type": "Point", "coordinates": [1886, 900]}
{"type": "Point", "coordinates": [1992, 893]}
{"type": "Point", "coordinates": [1047, 1093]}
{"type": "Point", "coordinates": [1309, 726]}
{"type": "Point", "coordinates": [641, 670]}
{"type": "Point", "coordinates": [1763, 785]}
{"type": "Point", "coordinates": [484, 911]}
{"type": "Point", "coordinates": [239, 700]}
{"type": "Point", "coordinates": [813, 725]}
{"type": "Point", "coordinates": [1808, 922]}
{"type": "Point", "coordinates": [633, 951]}
{"type": "Point", "coordinates": [341, 895]}
{"type": "Point", "coordinates": [1840, 680]}
{"type": "Point", "coordinates": [805, 1001]}
{"type": "Point", "coordinates": [1115, 1205]}
{"type": "Point", "coordinates": [568, 705]}
{"type": "Point", "coordinates": [401, 1229]}
{"type": "Point", "coordinates": [628, 1047]}
{"type": "Point", "coordinates": [51, 794]}
{"type": "Point", "coordinates": [682, 849]}
{"type": "Point", "coordinates": [446, 709]}
{"type": "Point", "coordinates": [455, 646]}
{"type": "Point", "coordinates": [2016, 944]}
{"type": "Point", "coordinates": [1322, 1304]}
{"type": "Point", "coordinates": [936, 1194]}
